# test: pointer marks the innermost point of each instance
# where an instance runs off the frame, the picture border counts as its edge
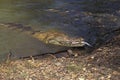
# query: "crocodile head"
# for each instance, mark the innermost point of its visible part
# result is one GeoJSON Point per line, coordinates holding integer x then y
{"type": "Point", "coordinates": [69, 42]}
{"type": "Point", "coordinates": [61, 39]}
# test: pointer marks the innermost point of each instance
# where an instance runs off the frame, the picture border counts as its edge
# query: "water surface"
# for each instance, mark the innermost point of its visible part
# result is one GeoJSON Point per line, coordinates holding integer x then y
{"type": "Point", "coordinates": [77, 18]}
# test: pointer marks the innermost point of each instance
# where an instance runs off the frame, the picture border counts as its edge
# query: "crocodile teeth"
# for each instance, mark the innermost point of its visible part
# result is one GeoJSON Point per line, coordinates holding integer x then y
{"type": "Point", "coordinates": [75, 42]}
{"type": "Point", "coordinates": [86, 43]}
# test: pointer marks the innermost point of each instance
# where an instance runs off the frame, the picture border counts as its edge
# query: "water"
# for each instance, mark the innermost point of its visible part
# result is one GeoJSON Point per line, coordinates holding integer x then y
{"type": "Point", "coordinates": [49, 14]}
{"type": "Point", "coordinates": [76, 18]}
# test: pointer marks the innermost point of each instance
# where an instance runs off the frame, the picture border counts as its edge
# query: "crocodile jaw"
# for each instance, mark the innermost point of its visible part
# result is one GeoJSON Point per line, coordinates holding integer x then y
{"type": "Point", "coordinates": [69, 42]}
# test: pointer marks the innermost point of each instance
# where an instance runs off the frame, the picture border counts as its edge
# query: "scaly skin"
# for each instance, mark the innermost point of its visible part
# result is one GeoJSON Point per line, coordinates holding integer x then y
{"type": "Point", "coordinates": [49, 37]}
{"type": "Point", "coordinates": [57, 38]}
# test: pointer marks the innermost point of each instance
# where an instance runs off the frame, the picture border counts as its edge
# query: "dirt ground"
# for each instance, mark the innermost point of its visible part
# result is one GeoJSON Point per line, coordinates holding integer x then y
{"type": "Point", "coordinates": [102, 64]}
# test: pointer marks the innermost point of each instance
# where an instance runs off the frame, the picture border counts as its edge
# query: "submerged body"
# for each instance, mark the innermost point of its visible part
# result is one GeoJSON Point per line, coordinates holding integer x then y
{"type": "Point", "coordinates": [49, 37]}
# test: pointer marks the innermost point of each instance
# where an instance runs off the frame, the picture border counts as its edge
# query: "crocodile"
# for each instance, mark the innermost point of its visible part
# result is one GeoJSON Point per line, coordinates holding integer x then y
{"type": "Point", "coordinates": [48, 37]}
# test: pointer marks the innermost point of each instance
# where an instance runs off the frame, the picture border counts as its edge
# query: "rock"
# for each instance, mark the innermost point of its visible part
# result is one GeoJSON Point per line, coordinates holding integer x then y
{"type": "Point", "coordinates": [14, 44]}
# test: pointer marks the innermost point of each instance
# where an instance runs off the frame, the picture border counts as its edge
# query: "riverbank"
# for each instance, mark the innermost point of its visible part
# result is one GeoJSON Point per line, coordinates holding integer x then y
{"type": "Point", "coordinates": [101, 64]}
